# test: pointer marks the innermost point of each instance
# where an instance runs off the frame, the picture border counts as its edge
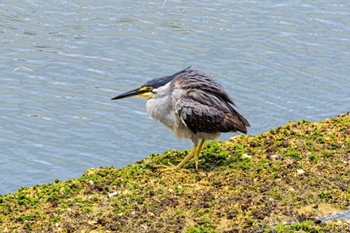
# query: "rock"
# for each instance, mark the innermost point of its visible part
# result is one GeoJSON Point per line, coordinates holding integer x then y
{"type": "Point", "coordinates": [300, 171]}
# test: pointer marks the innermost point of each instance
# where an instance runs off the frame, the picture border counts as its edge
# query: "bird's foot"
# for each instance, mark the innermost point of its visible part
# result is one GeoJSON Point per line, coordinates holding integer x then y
{"type": "Point", "coordinates": [193, 153]}
{"type": "Point", "coordinates": [171, 167]}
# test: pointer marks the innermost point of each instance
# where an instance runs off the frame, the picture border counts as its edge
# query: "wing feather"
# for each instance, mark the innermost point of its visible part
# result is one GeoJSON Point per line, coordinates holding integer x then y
{"type": "Point", "coordinates": [192, 79]}
{"type": "Point", "coordinates": [203, 111]}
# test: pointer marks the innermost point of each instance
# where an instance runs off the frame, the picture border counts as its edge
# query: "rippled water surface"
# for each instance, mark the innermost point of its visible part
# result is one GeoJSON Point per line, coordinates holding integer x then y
{"type": "Point", "coordinates": [62, 61]}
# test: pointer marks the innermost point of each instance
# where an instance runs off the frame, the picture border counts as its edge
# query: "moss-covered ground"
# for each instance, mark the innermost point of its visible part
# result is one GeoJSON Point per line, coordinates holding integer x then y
{"type": "Point", "coordinates": [278, 181]}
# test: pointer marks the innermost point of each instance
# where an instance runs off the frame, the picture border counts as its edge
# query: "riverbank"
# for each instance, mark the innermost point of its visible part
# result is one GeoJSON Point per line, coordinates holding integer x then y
{"type": "Point", "coordinates": [279, 180]}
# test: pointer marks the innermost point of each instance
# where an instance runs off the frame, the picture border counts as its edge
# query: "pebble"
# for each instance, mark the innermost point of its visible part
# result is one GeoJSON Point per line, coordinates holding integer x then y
{"type": "Point", "coordinates": [112, 194]}
{"type": "Point", "coordinates": [246, 156]}
{"type": "Point", "coordinates": [275, 157]}
{"type": "Point", "coordinates": [300, 171]}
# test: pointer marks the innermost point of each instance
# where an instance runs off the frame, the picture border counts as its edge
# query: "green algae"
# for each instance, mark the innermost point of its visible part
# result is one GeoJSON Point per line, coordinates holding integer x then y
{"type": "Point", "coordinates": [278, 181]}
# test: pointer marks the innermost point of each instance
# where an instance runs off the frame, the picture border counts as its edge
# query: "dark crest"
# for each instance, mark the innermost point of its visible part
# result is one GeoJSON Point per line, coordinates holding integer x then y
{"type": "Point", "coordinates": [158, 82]}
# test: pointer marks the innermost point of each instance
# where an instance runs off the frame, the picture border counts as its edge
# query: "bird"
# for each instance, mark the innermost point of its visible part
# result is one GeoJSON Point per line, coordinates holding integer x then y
{"type": "Point", "coordinates": [193, 105]}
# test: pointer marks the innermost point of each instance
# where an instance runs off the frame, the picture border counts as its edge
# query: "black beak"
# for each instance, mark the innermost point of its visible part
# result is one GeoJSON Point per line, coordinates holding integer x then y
{"type": "Point", "coordinates": [128, 94]}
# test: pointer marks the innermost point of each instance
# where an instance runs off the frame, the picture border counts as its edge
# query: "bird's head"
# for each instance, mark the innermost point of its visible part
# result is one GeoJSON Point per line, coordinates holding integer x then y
{"type": "Point", "coordinates": [148, 89]}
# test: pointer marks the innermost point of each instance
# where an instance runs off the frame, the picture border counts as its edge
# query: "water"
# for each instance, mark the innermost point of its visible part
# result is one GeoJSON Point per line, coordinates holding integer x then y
{"type": "Point", "coordinates": [345, 215]}
{"type": "Point", "coordinates": [61, 62]}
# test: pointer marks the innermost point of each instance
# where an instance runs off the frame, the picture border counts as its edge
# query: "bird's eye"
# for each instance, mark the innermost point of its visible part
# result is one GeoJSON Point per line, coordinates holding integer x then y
{"type": "Point", "coordinates": [146, 89]}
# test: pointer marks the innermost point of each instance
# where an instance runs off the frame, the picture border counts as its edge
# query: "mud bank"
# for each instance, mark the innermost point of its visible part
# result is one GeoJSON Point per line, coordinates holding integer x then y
{"type": "Point", "coordinates": [279, 181]}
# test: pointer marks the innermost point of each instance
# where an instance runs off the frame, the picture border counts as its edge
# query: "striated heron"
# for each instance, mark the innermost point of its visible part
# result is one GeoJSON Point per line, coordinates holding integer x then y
{"type": "Point", "coordinates": [193, 105]}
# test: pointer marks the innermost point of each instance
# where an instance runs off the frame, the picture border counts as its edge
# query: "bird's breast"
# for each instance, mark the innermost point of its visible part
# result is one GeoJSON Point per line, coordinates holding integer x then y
{"type": "Point", "coordinates": [161, 109]}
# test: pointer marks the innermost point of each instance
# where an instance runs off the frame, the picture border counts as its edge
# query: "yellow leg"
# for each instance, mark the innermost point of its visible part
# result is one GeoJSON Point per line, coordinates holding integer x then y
{"type": "Point", "coordinates": [188, 157]}
{"type": "Point", "coordinates": [196, 150]}
{"type": "Point", "coordinates": [199, 149]}
{"type": "Point", "coordinates": [182, 163]}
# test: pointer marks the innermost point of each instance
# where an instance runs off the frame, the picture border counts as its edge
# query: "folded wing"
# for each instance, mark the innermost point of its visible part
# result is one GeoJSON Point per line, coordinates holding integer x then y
{"type": "Point", "coordinates": [203, 111]}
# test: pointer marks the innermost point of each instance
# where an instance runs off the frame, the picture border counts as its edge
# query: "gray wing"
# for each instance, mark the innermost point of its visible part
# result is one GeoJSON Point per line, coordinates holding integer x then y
{"type": "Point", "coordinates": [203, 111]}
{"type": "Point", "coordinates": [206, 106]}
{"type": "Point", "coordinates": [191, 79]}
